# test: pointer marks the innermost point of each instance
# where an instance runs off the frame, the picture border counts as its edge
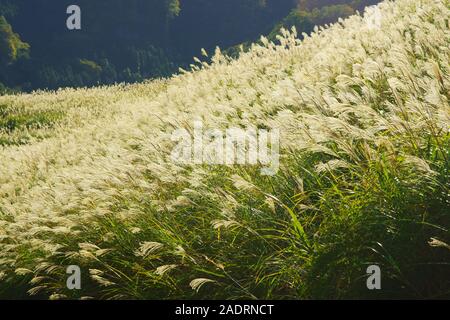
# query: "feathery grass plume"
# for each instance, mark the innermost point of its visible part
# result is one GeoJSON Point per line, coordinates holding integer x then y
{"type": "Point", "coordinates": [36, 290]}
{"type": "Point", "coordinates": [101, 280]}
{"type": "Point", "coordinates": [198, 283]}
{"type": "Point", "coordinates": [148, 248]}
{"type": "Point", "coordinates": [242, 184]}
{"type": "Point", "coordinates": [162, 270]}
{"type": "Point", "coordinates": [217, 224]}
{"type": "Point", "coordinates": [438, 243]}
{"type": "Point", "coordinates": [22, 271]}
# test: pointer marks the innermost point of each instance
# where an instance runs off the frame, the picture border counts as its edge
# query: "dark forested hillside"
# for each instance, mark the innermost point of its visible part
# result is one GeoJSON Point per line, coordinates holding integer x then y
{"type": "Point", "coordinates": [135, 39]}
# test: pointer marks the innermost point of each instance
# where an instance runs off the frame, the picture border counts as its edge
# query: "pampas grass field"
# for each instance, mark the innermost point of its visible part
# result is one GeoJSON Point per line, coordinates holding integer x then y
{"type": "Point", "coordinates": [363, 112]}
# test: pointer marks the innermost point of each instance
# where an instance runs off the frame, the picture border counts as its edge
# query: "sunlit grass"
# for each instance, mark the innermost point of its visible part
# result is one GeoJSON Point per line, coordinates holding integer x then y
{"type": "Point", "coordinates": [364, 176]}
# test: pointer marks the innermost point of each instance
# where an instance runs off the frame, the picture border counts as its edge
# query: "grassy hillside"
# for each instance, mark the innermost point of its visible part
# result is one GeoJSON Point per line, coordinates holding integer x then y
{"type": "Point", "coordinates": [86, 176]}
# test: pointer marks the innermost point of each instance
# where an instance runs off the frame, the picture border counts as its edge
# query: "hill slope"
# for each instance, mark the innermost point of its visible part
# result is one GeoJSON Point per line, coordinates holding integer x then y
{"type": "Point", "coordinates": [87, 179]}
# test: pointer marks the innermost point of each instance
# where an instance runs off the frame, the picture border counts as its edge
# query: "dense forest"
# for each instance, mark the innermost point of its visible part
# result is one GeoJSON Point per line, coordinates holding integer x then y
{"type": "Point", "coordinates": [128, 41]}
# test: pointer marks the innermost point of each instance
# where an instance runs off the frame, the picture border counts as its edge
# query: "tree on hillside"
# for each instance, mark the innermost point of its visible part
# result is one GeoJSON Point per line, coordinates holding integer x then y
{"type": "Point", "coordinates": [11, 46]}
{"type": "Point", "coordinates": [310, 13]}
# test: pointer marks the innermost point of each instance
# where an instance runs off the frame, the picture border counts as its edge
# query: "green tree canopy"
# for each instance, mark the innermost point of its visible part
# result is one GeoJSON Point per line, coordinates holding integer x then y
{"type": "Point", "coordinates": [11, 46]}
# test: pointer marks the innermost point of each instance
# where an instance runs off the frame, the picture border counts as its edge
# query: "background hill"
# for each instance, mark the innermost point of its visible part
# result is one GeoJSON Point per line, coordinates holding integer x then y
{"type": "Point", "coordinates": [137, 39]}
